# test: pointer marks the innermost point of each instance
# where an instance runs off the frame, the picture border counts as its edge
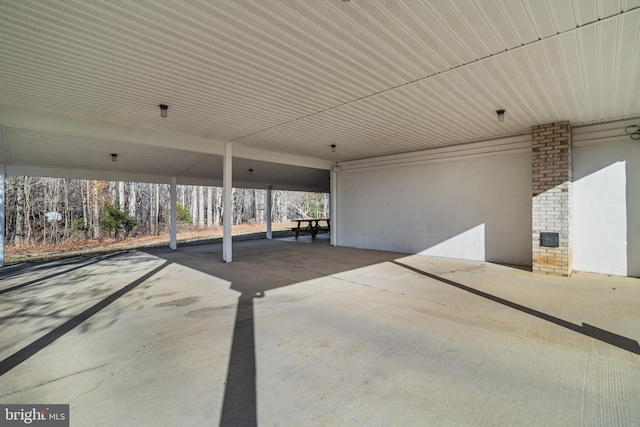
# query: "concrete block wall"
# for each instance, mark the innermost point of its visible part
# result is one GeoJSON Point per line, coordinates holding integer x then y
{"type": "Point", "coordinates": [552, 204]}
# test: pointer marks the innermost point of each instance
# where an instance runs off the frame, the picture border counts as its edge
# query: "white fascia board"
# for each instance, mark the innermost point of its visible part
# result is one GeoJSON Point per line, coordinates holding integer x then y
{"type": "Point", "coordinates": [288, 187]}
{"type": "Point", "coordinates": [238, 184]}
{"type": "Point", "coordinates": [112, 175]}
{"type": "Point", "coordinates": [583, 136]}
{"type": "Point", "coordinates": [250, 153]}
{"type": "Point", "coordinates": [181, 180]}
{"type": "Point", "coordinates": [102, 175]}
{"type": "Point", "coordinates": [443, 154]}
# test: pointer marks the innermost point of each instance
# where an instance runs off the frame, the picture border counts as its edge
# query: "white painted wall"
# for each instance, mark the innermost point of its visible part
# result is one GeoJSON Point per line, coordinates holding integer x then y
{"type": "Point", "coordinates": [607, 207]}
{"type": "Point", "coordinates": [470, 208]}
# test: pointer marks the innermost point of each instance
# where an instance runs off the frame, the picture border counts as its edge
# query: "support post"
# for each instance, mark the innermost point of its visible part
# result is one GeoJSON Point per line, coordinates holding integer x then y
{"type": "Point", "coordinates": [2, 222]}
{"type": "Point", "coordinates": [335, 170]}
{"type": "Point", "coordinates": [227, 205]}
{"type": "Point", "coordinates": [173, 220]}
{"type": "Point", "coordinates": [552, 204]}
{"type": "Point", "coordinates": [269, 203]}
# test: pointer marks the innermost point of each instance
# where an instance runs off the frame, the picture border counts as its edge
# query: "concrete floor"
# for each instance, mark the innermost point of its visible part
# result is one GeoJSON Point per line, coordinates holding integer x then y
{"type": "Point", "coordinates": [305, 334]}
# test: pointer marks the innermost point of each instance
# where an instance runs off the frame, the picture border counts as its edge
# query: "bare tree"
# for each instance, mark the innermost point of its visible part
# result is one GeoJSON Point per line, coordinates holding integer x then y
{"type": "Point", "coordinates": [194, 204]}
{"type": "Point", "coordinates": [132, 200]}
{"type": "Point", "coordinates": [200, 207]}
{"type": "Point", "coordinates": [81, 203]}
{"type": "Point", "coordinates": [121, 195]}
{"type": "Point", "coordinates": [18, 235]}
{"type": "Point", "coordinates": [85, 212]}
{"type": "Point", "coordinates": [217, 218]}
{"type": "Point", "coordinates": [209, 207]}
{"type": "Point", "coordinates": [96, 210]}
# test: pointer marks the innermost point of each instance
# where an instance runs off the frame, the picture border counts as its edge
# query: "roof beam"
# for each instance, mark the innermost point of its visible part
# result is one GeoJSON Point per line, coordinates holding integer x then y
{"type": "Point", "coordinates": [23, 118]}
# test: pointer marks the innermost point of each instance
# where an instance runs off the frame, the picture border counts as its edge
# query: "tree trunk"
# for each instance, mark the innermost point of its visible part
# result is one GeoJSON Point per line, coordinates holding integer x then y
{"type": "Point", "coordinates": [85, 212]}
{"type": "Point", "coordinates": [254, 206]}
{"type": "Point", "coordinates": [156, 217]}
{"type": "Point", "coordinates": [218, 210]}
{"type": "Point", "coordinates": [132, 199]}
{"type": "Point", "coordinates": [28, 208]}
{"type": "Point", "coordinates": [67, 213]}
{"type": "Point", "coordinates": [152, 209]}
{"type": "Point", "coordinates": [96, 211]}
{"type": "Point", "coordinates": [121, 195]}
{"type": "Point", "coordinates": [194, 205]}
{"type": "Point", "coordinates": [209, 207]}
{"type": "Point", "coordinates": [200, 207]}
{"type": "Point", "coordinates": [113, 191]}
{"type": "Point", "coordinates": [238, 205]}
{"type": "Point", "coordinates": [262, 206]}
{"type": "Point", "coordinates": [55, 202]}
{"type": "Point", "coordinates": [18, 236]}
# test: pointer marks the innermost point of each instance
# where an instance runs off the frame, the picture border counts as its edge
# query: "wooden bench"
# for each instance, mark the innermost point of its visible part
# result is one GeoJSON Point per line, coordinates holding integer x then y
{"type": "Point", "coordinates": [313, 227]}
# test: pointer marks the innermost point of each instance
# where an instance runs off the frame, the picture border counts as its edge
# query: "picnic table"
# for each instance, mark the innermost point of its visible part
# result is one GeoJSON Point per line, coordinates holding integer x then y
{"type": "Point", "coordinates": [311, 226]}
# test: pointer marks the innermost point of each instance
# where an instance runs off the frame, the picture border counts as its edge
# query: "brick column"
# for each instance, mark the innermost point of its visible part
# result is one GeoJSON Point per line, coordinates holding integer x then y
{"type": "Point", "coordinates": [552, 207]}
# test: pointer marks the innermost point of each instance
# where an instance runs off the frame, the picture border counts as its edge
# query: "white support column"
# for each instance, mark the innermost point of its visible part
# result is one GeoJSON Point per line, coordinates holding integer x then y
{"type": "Point", "coordinates": [173, 220]}
{"type": "Point", "coordinates": [227, 205]}
{"type": "Point", "coordinates": [335, 170]}
{"type": "Point", "coordinates": [2, 223]}
{"type": "Point", "coordinates": [269, 202]}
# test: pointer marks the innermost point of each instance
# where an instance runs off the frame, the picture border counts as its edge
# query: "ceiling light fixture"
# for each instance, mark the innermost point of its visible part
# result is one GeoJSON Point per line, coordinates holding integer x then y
{"type": "Point", "coordinates": [163, 110]}
{"type": "Point", "coordinates": [114, 157]}
{"type": "Point", "coordinates": [333, 148]}
{"type": "Point", "coordinates": [500, 114]}
{"type": "Point", "coordinates": [250, 171]}
{"type": "Point", "coordinates": [633, 131]}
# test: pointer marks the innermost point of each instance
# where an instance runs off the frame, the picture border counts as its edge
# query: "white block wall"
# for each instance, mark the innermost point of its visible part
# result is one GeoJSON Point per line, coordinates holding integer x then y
{"type": "Point", "coordinates": [475, 208]}
{"type": "Point", "coordinates": [607, 206]}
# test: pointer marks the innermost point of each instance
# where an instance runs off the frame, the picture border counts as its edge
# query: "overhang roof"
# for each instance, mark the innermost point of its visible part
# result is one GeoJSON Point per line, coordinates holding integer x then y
{"type": "Point", "coordinates": [286, 79]}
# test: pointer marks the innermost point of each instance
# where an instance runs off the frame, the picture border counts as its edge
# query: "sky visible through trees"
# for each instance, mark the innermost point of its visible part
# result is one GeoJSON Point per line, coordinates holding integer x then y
{"type": "Point", "coordinates": [53, 210]}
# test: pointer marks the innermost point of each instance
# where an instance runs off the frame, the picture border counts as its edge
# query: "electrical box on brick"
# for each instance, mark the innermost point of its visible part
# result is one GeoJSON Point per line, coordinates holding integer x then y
{"type": "Point", "coordinates": [549, 240]}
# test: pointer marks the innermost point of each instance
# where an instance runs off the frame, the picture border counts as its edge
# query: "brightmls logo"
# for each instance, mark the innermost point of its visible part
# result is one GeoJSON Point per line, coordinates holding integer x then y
{"type": "Point", "coordinates": [34, 415]}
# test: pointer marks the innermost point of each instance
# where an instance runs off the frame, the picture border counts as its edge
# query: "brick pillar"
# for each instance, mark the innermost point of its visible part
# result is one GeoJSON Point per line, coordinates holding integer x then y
{"type": "Point", "coordinates": [552, 207]}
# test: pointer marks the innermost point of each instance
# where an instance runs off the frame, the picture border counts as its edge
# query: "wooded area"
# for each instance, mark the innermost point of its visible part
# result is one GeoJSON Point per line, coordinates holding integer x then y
{"type": "Point", "coordinates": [50, 210]}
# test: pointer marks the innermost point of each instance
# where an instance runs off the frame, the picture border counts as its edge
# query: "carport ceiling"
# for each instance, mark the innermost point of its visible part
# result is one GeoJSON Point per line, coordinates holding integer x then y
{"type": "Point", "coordinates": [94, 158]}
{"type": "Point", "coordinates": [373, 77]}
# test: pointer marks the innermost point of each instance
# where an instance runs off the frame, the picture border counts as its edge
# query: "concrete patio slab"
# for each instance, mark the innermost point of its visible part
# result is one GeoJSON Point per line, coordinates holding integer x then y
{"type": "Point", "coordinates": [302, 333]}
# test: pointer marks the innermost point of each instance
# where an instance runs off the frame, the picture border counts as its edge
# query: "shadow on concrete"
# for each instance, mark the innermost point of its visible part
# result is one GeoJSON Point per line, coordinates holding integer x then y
{"type": "Point", "coordinates": [8, 271]}
{"type": "Point", "coordinates": [78, 264]}
{"type": "Point", "coordinates": [240, 404]}
{"type": "Point", "coordinates": [30, 350]}
{"type": "Point", "coordinates": [588, 330]}
{"type": "Point", "coordinates": [257, 267]}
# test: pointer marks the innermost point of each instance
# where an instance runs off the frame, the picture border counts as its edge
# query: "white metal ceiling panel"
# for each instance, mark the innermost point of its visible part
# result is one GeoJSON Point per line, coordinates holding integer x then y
{"type": "Point", "coordinates": [521, 20]}
{"type": "Point", "coordinates": [587, 11]}
{"type": "Point", "coordinates": [541, 17]}
{"type": "Point", "coordinates": [496, 17]}
{"type": "Point", "coordinates": [563, 15]}
{"type": "Point", "coordinates": [374, 77]}
{"type": "Point", "coordinates": [629, 82]}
